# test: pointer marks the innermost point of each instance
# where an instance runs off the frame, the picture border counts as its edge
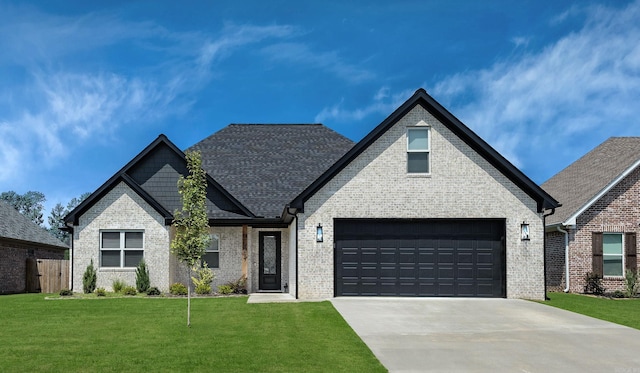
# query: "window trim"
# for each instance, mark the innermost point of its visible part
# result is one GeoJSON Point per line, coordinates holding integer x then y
{"type": "Point", "coordinates": [209, 250]}
{"type": "Point", "coordinates": [122, 247]}
{"type": "Point", "coordinates": [622, 254]}
{"type": "Point", "coordinates": [421, 151]}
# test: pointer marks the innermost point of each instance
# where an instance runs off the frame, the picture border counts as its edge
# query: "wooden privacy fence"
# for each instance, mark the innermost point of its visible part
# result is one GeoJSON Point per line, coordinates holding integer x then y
{"type": "Point", "coordinates": [47, 275]}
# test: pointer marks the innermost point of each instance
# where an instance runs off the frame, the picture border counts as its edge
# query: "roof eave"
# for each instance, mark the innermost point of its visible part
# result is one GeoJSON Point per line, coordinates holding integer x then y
{"type": "Point", "coordinates": [573, 218]}
{"type": "Point", "coordinates": [543, 199]}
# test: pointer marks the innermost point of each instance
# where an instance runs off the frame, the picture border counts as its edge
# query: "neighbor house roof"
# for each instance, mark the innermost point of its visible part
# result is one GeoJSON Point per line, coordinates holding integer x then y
{"type": "Point", "coordinates": [586, 180]}
{"type": "Point", "coordinates": [266, 165]}
{"type": "Point", "coordinates": [153, 175]}
{"type": "Point", "coordinates": [420, 97]}
{"type": "Point", "coordinates": [15, 226]}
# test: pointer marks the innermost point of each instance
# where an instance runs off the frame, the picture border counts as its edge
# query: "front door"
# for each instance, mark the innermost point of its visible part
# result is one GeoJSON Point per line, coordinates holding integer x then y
{"type": "Point", "coordinates": [269, 261]}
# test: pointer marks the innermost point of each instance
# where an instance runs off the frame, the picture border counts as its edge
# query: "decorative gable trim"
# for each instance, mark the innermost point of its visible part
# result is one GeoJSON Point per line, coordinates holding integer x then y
{"type": "Point", "coordinates": [420, 97]}
{"type": "Point", "coordinates": [122, 176]}
{"type": "Point", "coordinates": [572, 220]}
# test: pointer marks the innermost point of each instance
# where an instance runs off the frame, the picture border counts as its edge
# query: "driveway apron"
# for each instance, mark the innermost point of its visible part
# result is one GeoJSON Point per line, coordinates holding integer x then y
{"type": "Point", "coordinates": [487, 335]}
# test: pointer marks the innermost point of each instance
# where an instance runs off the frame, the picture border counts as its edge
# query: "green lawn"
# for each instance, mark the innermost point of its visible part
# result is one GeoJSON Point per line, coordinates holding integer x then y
{"type": "Point", "coordinates": [140, 334]}
{"type": "Point", "coordinates": [620, 311]}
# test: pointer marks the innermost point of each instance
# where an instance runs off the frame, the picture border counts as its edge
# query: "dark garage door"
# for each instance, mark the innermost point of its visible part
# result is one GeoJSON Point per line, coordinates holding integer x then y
{"type": "Point", "coordinates": [420, 258]}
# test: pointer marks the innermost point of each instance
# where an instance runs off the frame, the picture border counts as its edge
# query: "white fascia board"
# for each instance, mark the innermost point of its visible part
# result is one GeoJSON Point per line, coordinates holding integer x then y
{"type": "Point", "coordinates": [571, 221]}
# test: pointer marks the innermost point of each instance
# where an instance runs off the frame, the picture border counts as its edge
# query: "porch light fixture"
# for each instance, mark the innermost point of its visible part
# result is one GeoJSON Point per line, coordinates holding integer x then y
{"type": "Point", "coordinates": [524, 231]}
{"type": "Point", "coordinates": [319, 233]}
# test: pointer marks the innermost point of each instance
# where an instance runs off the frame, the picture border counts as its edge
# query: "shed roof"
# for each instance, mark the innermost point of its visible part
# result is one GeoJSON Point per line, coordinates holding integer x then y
{"type": "Point", "coordinates": [580, 184]}
{"type": "Point", "coordinates": [14, 225]}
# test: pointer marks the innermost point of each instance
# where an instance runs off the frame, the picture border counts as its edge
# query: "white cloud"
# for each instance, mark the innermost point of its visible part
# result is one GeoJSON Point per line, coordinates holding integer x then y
{"type": "Point", "coordinates": [587, 82]}
{"type": "Point", "coordinates": [66, 97]}
{"type": "Point", "coordinates": [331, 62]}
{"type": "Point", "coordinates": [383, 102]}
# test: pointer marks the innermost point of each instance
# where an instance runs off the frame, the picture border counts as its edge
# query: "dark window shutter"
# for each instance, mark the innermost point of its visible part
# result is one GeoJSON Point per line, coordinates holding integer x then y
{"type": "Point", "coordinates": [596, 245]}
{"type": "Point", "coordinates": [630, 249]}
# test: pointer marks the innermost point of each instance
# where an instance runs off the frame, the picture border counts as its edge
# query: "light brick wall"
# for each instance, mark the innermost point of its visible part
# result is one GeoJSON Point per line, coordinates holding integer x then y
{"type": "Point", "coordinates": [121, 209]}
{"type": "Point", "coordinates": [461, 185]}
{"type": "Point", "coordinates": [616, 212]}
{"type": "Point", "coordinates": [230, 259]}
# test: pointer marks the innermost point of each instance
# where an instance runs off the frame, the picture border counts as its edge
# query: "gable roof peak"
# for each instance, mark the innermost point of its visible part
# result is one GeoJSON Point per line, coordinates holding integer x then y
{"type": "Point", "coordinates": [422, 98]}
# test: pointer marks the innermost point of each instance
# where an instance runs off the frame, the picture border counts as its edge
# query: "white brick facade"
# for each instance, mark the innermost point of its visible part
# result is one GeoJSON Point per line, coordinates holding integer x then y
{"type": "Point", "coordinates": [121, 209]}
{"type": "Point", "coordinates": [462, 184]}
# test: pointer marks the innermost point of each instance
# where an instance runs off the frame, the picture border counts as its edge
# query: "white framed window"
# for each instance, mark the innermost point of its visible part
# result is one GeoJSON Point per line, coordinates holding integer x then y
{"type": "Point", "coordinates": [418, 149]}
{"type": "Point", "coordinates": [121, 249]}
{"type": "Point", "coordinates": [612, 254]}
{"type": "Point", "coordinates": [212, 255]}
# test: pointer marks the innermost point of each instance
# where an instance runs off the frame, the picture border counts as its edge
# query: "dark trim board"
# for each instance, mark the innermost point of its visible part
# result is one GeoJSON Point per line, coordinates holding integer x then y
{"type": "Point", "coordinates": [420, 97]}
{"type": "Point", "coordinates": [420, 257]}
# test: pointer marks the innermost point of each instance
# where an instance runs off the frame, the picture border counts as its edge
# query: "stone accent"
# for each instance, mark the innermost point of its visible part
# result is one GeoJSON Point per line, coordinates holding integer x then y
{"type": "Point", "coordinates": [121, 209]}
{"type": "Point", "coordinates": [618, 211]}
{"type": "Point", "coordinates": [462, 184]}
{"type": "Point", "coordinates": [13, 263]}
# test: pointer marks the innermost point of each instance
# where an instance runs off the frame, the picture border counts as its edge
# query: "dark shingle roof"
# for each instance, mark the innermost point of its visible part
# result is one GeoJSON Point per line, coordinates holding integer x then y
{"type": "Point", "coordinates": [16, 226]}
{"type": "Point", "coordinates": [584, 179]}
{"type": "Point", "coordinates": [153, 175]}
{"type": "Point", "coordinates": [266, 165]}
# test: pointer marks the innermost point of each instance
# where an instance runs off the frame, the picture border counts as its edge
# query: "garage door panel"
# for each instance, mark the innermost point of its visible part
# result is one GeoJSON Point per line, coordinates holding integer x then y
{"type": "Point", "coordinates": [465, 273]}
{"type": "Point", "coordinates": [427, 273]}
{"type": "Point", "coordinates": [420, 257]}
{"type": "Point", "coordinates": [407, 272]}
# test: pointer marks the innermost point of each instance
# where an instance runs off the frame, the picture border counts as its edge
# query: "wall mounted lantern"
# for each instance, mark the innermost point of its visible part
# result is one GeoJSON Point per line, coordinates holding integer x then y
{"type": "Point", "coordinates": [319, 234]}
{"type": "Point", "coordinates": [524, 231]}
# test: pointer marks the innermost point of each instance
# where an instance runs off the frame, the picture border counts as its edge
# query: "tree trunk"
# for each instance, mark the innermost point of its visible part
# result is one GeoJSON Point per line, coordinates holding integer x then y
{"type": "Point", "coordinates": [189, 299]}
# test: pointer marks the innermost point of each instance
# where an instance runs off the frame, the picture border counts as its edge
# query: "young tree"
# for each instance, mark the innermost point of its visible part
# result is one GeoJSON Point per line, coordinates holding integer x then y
{"type": "Point", "coordinates": [191, 223]}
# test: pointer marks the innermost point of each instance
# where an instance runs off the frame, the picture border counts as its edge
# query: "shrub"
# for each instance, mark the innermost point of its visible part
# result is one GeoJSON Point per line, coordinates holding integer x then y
{"type": "Point", "coordinates": [129, 290]}
{"type": "Point", "coordinates": [142, 277]}
{"type": "Point", "coordinates": [178, 289]}
{"type": "Point", "coordinates": [65, 292]}
{"type": "Point", "coordinates": [89, 279]}
{"type": "Point", "coordinates": [203, 280]}
{"type": "Point", "coordinates": [239, 286]}
{"type": "Point", "coordinates": [593, 284]}
{"type": "Point", "coordinates": [618, 294]}
{"type": "Point", "coordinates": [225, 289]}
{"type": "Point", "coordinates": [101, 292]}
{"type": "Point", "coordinates": [631, 283]}
{"type": "Point", "coordinates": [153, 291]}
{"type": "Point", "coordinates": [118, 285]}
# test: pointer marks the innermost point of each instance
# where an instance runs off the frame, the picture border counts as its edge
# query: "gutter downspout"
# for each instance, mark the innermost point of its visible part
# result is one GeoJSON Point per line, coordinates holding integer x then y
{"type": "Point", "coordinates": [566, 257]}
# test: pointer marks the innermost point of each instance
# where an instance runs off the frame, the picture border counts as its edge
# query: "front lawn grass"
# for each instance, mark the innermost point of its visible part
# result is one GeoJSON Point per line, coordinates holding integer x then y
{"type": "Point", "coordinates": [150, 335]}
{"type": "Point", "coordinates": [620, 311]}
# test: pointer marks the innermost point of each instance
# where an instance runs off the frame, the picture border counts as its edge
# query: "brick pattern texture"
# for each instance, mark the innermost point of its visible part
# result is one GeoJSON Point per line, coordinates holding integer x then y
{"type": "Point", "coordinates": [121, 209]}
{"type": "Point", "coordinates": [13, 263]}
{"type": "Point", "coordinates": [462, 184]}
{"type": "Point", "coordinates": [618, 211]}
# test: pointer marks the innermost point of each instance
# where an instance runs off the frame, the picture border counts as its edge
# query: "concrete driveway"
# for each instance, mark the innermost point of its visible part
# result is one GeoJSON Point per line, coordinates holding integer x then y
{"type": "Point", "coordinates": [487, 335]}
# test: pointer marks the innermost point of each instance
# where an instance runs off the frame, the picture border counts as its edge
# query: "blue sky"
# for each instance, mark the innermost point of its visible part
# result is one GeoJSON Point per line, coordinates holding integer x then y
{"type": "Point", "coordinates": [86, 85]}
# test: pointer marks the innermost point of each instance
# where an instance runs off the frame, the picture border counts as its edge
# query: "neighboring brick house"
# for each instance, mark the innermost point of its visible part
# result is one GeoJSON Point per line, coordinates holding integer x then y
{"type": "Point", "coordinates": [21, 239]}
{"type": "Point", "coordinates": [419, 207]}
{"type": "Point", "coordinates": [597, 224]}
